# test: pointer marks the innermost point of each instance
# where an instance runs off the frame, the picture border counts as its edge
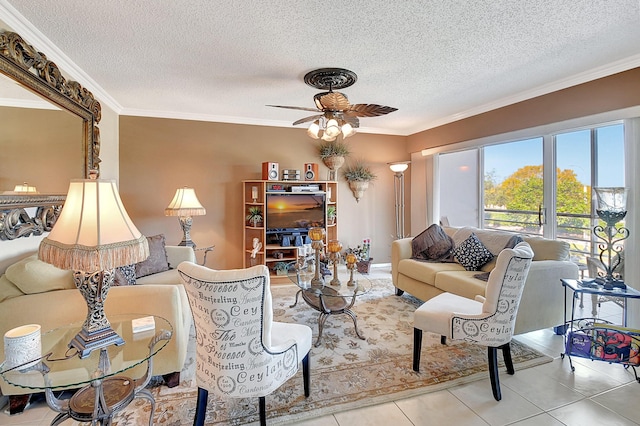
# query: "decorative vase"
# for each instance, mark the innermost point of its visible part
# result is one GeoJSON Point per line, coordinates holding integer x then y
{"type": "Point", "coordinates": [358, 187]}
{"type": "Point", "coordinates": [364, 266]}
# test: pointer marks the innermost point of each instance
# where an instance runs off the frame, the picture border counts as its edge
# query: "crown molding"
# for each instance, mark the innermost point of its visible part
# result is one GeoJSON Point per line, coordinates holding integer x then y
{"type": "Point", "coordinates": [33, 36]}
{"type": "Point", "coordinates": [233, 120]}
{"type": "Point", "coordinates": [584, 77]}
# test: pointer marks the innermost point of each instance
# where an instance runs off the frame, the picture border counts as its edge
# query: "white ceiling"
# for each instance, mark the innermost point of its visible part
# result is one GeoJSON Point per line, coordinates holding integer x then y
{"type": "Point", "coordinates": [436, 61]}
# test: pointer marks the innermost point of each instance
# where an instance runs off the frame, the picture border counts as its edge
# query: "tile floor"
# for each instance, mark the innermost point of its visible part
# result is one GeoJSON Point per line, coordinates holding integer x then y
{"type": "Point", "coordinates": [596, 393]}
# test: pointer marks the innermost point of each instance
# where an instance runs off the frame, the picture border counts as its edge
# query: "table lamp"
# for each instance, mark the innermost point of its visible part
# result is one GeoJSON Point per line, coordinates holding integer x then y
{"type": "Point", "coordinates": [317, 243]}
{"type": "Point", "coordinates": [93, 236]}
{"type": "Point", "coordinates": [334, 248]}
{"type": "Point", "coordinates": [184, 205]}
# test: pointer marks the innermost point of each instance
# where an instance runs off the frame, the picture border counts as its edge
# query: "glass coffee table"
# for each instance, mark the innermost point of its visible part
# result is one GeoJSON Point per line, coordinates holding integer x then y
{"type": "Point", "coordinates": [327, 298]}
{"type": "Point", "coordinates": [104, 390]}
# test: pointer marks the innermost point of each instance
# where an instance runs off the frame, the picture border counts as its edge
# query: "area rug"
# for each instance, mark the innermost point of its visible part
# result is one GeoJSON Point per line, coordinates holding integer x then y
{"type": "Point", "coordinates": [346, 372]}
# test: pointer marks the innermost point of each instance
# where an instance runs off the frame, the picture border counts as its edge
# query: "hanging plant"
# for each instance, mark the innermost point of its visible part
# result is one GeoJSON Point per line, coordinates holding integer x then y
{"type": "Point", "coordinates": [358, 175]}
{"type": "Point", "coordinates": [332, 153]}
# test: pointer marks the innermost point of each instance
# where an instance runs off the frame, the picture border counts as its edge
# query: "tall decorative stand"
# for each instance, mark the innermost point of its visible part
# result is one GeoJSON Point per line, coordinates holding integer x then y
{"type": "Point", "coordinates": [317, 243]}
{"type": "Point", "coordinates": [611, 208]}
{"type": "Point", "coordinates": [334, 248]}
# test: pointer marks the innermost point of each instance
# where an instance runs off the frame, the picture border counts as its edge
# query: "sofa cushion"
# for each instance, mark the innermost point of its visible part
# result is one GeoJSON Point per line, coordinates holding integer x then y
{"type": "Point", "coordinates": [472, 254]}
{"type": "Point", "coordinates": [8, 290]}
{"type": "Point", "coordinates": [157, 260]}
{"type": "Point", "coordinates": [461, 283]}
{"type": "Point", "coordinates": [488, 267]}
{"type": "Point", "coordinates": [425, 271]}
{"type": "Point", "coordinates": [31, 275]}
{"type": "Point", "coordinates": [165, 277]}
{"type": "Point", "coordinates": [431, 244]}
{"type": "Point", "coordinates": [546, 249]}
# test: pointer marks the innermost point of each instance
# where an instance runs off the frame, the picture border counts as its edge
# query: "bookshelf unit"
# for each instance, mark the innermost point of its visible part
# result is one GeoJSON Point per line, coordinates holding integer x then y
{"type": "Point", "coordinates": [266, 254]}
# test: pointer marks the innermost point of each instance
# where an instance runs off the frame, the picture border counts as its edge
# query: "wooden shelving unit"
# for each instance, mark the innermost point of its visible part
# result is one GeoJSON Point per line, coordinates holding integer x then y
{"type": "Point", "coordinates": [265, 256]}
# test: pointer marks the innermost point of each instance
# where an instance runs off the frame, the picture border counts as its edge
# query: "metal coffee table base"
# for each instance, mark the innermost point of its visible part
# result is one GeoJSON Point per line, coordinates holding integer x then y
{"type": "Point", "coordinates": [327, 301]}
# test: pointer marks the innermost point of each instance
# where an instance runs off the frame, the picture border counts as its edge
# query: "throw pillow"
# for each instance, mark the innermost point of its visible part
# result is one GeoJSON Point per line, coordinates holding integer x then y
{"type": "Point", "coordinates": [157, 260]}
{"type": "Point", "coordinates": [513, 241]}
{"type": "Point", "coordinates": [472, 254]}
{"type": "Point", "coordinates": [431, 244]}
{"type": "Point", "coordinates": [125, 275]}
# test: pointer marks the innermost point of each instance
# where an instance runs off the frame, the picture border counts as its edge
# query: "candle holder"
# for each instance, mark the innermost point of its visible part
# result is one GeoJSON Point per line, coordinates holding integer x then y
{"type": "Point", "coordinates": [334, 247]}
{"type": "Point", "coordinates": [317, 243]}
{"type": "Point", "coordinates": [351, 265]}
{"type": "Point", "coordinates": [611, 208]}
{"type": "Point", "coordinates": [254, 194]}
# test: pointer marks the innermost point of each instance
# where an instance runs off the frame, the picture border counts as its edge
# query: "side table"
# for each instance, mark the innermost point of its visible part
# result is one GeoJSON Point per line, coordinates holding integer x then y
{"type": "Point", "coordinates": [104, 391]}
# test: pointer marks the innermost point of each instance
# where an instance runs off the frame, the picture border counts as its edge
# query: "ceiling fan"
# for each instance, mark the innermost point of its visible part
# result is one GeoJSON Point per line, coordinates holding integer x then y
{"type": "Point", "coordinates": [336, 114]}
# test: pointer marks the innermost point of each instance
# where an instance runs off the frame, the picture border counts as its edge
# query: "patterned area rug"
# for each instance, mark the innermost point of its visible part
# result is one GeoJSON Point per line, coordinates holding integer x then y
{"type": "Point", "coordinates": [346, 372]}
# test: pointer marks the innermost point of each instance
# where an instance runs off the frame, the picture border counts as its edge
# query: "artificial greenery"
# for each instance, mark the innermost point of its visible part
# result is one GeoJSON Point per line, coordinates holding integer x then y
{"type": "Point", "coordinates": [358, 171]}
{"type": "Point", "coordinates": [333, 148]}
{"type": "Point", "coordinates": [255, 214]}
{"type": "Point", "coordinates": [331, 212]}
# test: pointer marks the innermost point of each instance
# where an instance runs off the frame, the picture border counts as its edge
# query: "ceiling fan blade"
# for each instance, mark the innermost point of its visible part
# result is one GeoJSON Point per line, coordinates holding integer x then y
{"type": "Point", "coordinates": [332, 101]}
{"type": "Point", "coordinates": [294, 107]}
{"type": "Point", "coordinates": [306, 119]}
{"type": "Point", "coordinates": [369, 110]}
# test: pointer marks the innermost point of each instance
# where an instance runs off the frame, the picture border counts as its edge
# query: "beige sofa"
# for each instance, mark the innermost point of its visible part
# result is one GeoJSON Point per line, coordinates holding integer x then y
{"type": "Point", "coordinates": [32, 291]}
{"type": "Point", "coordinates": [542, 304]}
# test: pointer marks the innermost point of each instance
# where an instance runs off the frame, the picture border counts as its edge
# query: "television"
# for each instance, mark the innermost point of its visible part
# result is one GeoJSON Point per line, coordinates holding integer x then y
{"type": "Point", "coordinates": [295, 212]}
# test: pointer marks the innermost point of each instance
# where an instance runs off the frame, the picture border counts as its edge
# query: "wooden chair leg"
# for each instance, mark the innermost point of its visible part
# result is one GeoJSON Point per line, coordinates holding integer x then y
{"type": "Point", "coordinates": [417, 347]}
{"type": "Point", "coordinates": [492, 353]}
{"type": "Point", "coordinates": [306, 374]}
{"type": "Point", "coordinates": [172, 379]}
{"type": "Point", "coordinates": [399, 292]}
{"type": "Point", "coordinates": [443, 340]}
{"type": "Point", "coordinates": [201, 407]}
{"type": "Point", "coordinates": [506, 354]}
{"type": "Point", "coordinates": [263, 411]}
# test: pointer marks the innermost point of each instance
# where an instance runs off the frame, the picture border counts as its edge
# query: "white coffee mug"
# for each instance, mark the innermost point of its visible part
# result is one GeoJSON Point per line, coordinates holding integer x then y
{"type": "Point", "coordinates": [21, 345]}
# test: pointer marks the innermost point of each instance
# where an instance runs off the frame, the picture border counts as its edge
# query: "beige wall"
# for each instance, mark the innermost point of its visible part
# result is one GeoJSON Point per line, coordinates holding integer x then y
{"type": "Point", "coordinates": [611, 93]}
{"type": "Point", "coordinates": [159, 155]}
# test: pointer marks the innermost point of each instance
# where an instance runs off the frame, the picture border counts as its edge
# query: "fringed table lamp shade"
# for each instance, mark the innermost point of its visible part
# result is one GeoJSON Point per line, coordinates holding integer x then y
{"type": "Point", "coordinates": [93, 236]}
{"type": "Point", "coordinates": [184, 205]}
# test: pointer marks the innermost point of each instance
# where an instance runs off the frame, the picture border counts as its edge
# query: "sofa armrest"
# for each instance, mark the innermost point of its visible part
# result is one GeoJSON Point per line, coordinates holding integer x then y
{"type": "Point", "coordinates": [179, 254]}
{"type": "Point", "coordinates": [400, 249]}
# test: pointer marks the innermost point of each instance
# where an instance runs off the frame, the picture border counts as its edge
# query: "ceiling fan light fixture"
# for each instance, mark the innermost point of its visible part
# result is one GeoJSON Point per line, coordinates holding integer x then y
{"type": "Point", "coordinates": [327, 137]}
{"type": "Point", "coordinates": [332, 129]}
{"type": "Point", "coordinates": [347, 130]}
{"type": "Point", "coordinates": [314, 130]}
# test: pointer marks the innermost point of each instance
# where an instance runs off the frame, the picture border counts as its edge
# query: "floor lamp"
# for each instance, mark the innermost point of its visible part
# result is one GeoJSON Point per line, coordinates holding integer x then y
{"type": "Point", "coordinates": [398, 189]}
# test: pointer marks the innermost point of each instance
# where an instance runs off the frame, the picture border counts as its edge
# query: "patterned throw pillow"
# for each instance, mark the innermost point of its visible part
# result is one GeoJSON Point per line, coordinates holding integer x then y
{"type": "Point", "coordinates": [472, 254]}
{"type": "Point", "coordinates": [125, 275]}
{"type": "Point", "coordinates": [157, 260]}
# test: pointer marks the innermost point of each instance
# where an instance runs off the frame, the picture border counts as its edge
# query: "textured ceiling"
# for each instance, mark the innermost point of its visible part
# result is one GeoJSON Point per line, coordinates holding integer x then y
{"type": "Point", "coordinates": [435, 61]}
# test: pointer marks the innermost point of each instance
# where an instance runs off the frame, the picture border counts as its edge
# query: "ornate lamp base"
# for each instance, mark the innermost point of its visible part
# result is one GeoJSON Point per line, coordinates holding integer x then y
{"type": "Point", "coordinates": [185, 224]}
{"type": "Point", "coordinates": [96, 330]}
{"type": "Point", "coordinates": [86, 342]}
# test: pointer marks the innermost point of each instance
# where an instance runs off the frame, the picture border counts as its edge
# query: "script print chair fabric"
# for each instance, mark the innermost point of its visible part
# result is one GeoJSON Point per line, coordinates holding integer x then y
{"type": "Point", "coordinates": [489, 320]}
{"type": "Point", "coordinates": [240, 351]}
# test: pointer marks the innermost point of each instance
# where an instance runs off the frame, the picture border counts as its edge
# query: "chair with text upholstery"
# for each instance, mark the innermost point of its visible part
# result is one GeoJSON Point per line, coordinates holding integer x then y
{"type": "Point", "coordinates": [488, 320]}
{"type": "Point", "coordinates": [237, 339]}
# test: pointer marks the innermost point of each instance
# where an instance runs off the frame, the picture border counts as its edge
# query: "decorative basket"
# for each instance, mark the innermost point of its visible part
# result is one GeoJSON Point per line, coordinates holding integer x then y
{"type": "Point", "coordinates": [333, 162]}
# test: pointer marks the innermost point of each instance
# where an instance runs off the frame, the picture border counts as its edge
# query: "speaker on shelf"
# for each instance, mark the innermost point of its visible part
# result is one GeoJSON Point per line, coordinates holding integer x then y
{"type": "Point", "coordinates": [310, 171]}
{"type": "Point", "coordinates": [270, 171]}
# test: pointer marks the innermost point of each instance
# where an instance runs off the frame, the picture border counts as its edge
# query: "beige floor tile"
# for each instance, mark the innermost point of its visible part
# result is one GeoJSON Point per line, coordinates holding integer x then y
{"type": "Point", "coordinates": [543, 419]}
{"type": "Point", "coordinates": [320, 421]}
{"type": "Point", "coordinates": [540, 389]}
{"type": "Point", "coordinates": [377, 415]}
{"type": "Point", "coordinates": [622, 400]}
{"type": "Point", "coordinates": [438, 408]}
{"type": "Point", "coordinates": [615, 371]}
{"type": "Point", "coordinates": [587, 412]}
{"type": "Point", "coordinates": [478, 396]}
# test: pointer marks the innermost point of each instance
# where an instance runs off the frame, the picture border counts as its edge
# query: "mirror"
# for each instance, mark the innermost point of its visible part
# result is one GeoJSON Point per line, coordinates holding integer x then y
{"type": "Point", "coordinates": [78, 113]}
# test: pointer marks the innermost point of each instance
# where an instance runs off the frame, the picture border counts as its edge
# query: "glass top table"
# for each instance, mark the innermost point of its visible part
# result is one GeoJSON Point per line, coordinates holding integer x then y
{"type": "Point", "coordinates": [328, 295]}
{"type": "Point", "coordinates": [105, 391]}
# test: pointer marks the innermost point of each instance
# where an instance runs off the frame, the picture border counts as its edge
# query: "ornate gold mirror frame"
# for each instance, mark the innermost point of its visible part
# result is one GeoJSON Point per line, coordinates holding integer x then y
{"type": "Point", "coordinates": [24, 64]}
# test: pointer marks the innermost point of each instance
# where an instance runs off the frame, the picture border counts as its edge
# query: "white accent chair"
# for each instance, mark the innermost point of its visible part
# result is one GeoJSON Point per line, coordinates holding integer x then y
{"type": "Point", "coordinates": [488, 320]}
{"type": "Point", "coordinates": [237, 339]}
